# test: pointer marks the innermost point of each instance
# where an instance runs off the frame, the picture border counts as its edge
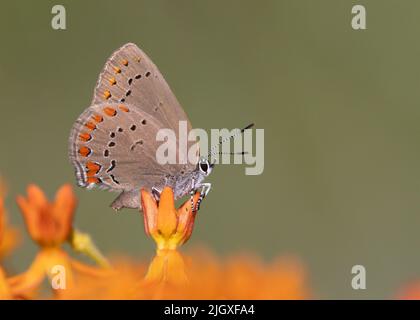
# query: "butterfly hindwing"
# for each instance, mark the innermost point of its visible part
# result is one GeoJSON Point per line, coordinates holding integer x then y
{"type": "Point", "coordinates": [112, 145]}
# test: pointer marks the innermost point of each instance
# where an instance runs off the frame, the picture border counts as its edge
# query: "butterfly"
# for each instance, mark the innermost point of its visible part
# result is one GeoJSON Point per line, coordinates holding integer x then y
{"type": "Point", "coordinates": [113, 143]}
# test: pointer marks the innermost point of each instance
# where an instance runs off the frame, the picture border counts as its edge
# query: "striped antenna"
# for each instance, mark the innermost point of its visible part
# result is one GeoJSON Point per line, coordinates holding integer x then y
{"type": "Point", "coordinates": [226, 139]}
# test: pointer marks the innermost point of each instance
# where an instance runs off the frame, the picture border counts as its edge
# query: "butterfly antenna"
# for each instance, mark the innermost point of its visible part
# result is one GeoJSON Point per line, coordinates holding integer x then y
{"type": "Point", "coordinates": [226, 139]}
{"type": "Point", "coordinates": [231, 153]}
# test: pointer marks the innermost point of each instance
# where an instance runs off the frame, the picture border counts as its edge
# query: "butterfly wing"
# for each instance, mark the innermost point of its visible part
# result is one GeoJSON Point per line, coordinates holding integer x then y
{"type": "Point", "coordinates": [113, 146]}
{"type": "Point", "coordinates": [130, 76]}
{"type": "Point", "coordinates": [104, 150]}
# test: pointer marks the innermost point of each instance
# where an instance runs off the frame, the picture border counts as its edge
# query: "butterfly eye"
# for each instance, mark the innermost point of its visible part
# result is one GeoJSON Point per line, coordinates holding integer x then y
{"type": "Point", "coordinates": [204, 167]}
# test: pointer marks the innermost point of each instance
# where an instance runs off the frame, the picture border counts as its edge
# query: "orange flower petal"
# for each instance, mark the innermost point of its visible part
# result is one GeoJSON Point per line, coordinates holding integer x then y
{"type": "Point", "coordinates": [36, 196]}
{"type": "Point", "coordinates": [30, 214]}
{"type": "Point", "coordinates": [64, 207]}
{"type": "Point", "coordinates": [148, 203]}
{"type": "Point", "coordinates": [167, 216]}
{"type": "Point", "coordinates": [186, 219]}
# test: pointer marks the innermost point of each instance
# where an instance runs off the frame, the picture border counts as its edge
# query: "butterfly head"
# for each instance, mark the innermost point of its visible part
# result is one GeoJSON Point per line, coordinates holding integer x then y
{"type": "Point", "coordinates": [204, 166]}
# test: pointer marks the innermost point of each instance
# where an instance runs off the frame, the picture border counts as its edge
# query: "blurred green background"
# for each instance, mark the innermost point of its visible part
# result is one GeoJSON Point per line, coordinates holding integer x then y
{"type": "Point", "coordinates": [340, 109]}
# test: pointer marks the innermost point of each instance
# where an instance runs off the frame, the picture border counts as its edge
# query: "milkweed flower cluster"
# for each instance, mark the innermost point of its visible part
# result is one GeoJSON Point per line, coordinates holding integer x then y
{"type": "Point", "coordinates": [169, 275]}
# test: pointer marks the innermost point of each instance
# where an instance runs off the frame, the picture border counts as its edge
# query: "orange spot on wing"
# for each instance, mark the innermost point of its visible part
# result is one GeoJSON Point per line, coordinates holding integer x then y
{"type": "Point", "coordinates": [124, 62]}
{"type": "Point", "coordinates": [90, 125]}
{"type": "Point", "coordinates": [93, 180]}
{"type": "Point", "coordinates": [97, 118]}
{"type": "Point", "coordinates": [93, 166]}
{"type": "Point", "coordinates": [123, 108]}
{"type": "Point", "coordinates": [85, 151]}
{"type": "Point", "coordinates": [110, 111]}
{"type": "Point", "coordinates": [90, 173]}
{"type": "Point", "coordinates": [107, 94]}
{"type": "Point", "coordinates": [112, 81]}
{"type": "Point", "coordinates": [117, 70]}
{"type": "Point", "coordinates": [85, 136]}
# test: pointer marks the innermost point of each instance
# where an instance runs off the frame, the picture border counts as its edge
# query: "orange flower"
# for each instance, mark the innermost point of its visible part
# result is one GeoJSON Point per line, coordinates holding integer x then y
{"type": "Point", "coordinates": [170, 228]}
{"type": "Point", "coordinates": [48, 223]}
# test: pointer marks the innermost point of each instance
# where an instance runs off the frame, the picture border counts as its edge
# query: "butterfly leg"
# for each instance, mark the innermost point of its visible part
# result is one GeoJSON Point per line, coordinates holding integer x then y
{"type": "Point", "coordinates": [205, 189]}
{"type": "Point", "coordinates": [192, 192]}
{"type": "Point", "coordinates": [156, 194]}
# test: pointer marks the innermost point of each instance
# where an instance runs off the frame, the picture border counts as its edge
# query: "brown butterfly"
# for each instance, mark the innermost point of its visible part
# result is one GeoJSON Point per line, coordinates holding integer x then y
{"type": "Point", "coordinates": [113, 143]}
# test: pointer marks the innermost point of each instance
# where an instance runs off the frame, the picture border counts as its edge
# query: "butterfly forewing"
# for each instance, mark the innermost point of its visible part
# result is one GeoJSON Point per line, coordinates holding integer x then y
{"type": "Point", "coordinates": [130, 76]}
